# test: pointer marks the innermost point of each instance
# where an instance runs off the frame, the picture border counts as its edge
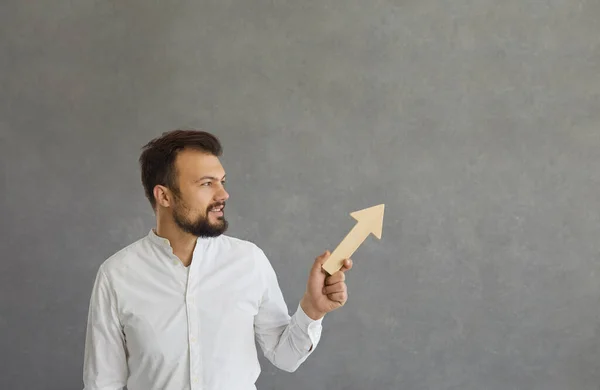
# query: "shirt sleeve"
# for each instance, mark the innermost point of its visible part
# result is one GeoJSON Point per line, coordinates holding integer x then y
{"type": "Point", "coordinates": [105, 361]}
{"type": "Point", "coordinates": [286, 341]}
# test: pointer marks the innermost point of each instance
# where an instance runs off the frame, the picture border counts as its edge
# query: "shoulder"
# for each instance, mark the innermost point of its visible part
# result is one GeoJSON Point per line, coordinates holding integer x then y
{"type": "Point", "coordinates": [123, 258]}
{"type": "Point", "coordinates": [234, 243]}
{"type": "Point", "coordinates": [244, 249]}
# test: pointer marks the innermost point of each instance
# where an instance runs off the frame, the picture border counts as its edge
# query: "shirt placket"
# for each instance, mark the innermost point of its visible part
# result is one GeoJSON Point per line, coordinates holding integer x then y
{"type": "Point", "coordinates": [193, 317]}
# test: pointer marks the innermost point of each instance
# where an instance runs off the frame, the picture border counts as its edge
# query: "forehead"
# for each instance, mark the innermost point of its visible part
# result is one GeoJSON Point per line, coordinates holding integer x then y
{"type": "Point", "coordinates": [194, 164]}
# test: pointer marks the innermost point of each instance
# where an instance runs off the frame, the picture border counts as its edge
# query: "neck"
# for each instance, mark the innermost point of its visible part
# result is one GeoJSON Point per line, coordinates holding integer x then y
{"type": "Point", "coordinates": [182, 243]}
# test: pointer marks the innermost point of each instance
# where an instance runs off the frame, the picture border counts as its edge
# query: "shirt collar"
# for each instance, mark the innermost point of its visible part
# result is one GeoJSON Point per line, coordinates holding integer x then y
{"type": "Point", "coordinates": [160, 241]}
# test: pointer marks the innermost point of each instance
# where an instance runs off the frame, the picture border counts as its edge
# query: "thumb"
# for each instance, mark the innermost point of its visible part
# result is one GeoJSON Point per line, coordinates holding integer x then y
{"type": "Point", "coordinates": [320, 260]}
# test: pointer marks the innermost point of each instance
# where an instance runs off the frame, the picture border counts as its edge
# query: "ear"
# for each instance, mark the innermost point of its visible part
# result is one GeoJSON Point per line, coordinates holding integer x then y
{"type": "Point", "coordinates": [162, 196]}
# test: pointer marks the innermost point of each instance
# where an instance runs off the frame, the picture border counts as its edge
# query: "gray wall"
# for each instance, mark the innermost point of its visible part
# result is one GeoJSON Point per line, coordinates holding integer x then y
{"type": "Point", "coordinates": [475, 122]}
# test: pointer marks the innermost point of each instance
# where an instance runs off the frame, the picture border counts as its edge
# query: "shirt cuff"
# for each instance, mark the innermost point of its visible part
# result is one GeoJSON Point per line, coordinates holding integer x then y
{"type": "Point", "coordinates": [305, 322]}
{"type": "Point", "coordinates": [309, 328]}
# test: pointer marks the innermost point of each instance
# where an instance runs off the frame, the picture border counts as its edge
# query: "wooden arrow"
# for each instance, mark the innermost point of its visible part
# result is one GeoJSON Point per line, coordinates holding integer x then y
{"type": "Point", "coordinates": [370, 220]}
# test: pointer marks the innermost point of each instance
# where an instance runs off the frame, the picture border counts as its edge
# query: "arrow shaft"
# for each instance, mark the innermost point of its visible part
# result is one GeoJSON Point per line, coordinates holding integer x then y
{"type": "Point", "coordinates": [346, 248]}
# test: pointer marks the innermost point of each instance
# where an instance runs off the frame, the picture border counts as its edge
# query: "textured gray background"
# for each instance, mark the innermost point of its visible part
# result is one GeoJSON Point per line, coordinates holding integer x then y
{"type": "Point", "coordinates": [476, 122]}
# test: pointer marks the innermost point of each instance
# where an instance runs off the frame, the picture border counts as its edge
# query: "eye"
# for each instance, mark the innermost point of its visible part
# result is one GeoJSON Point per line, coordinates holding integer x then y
{"type": "Point", "coordinates": [208, 183]}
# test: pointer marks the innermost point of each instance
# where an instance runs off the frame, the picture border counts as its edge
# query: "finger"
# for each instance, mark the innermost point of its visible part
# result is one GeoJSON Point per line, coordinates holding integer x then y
{"type": "Point", "coordinates": [340, 297]}
{"type": "Point", "coordinates": [347, 265]}
{"type": "Point", "coordinates": [335, 278]}
{"type": "Point", "coordinates": [335, 288]}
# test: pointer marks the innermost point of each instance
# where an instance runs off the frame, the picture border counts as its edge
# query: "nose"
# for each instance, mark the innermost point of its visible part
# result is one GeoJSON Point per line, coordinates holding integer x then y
{"type": "Point", "coordinates": [223, 195]}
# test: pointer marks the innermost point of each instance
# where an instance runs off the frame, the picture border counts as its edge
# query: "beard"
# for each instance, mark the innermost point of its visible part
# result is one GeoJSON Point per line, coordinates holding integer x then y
{"type": "Point", "coordinates": [201, 226]}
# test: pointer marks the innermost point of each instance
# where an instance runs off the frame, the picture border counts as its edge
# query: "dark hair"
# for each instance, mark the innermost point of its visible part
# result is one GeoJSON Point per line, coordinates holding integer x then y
{"type": "Point", "coordinates": [157, 161]}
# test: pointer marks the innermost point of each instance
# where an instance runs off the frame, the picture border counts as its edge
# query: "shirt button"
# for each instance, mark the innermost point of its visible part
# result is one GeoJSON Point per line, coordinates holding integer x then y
{"type": "Point", "coordinates": [195, 380]}
{"type": "Point", "coordinates": [193, 339]}
{"type": "Point", "coordinates": [191, 300]}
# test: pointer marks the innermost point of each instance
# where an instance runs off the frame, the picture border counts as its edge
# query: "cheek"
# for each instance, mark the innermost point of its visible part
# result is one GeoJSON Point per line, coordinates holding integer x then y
{"type": "Point", "coordinates": [199, 203]}
{"type": "Point", "coordinates": [202, 207]}
{"type": "Point", "coordinates": [193, 208]}
{"type": "Point", "coordinates": [199, 209]}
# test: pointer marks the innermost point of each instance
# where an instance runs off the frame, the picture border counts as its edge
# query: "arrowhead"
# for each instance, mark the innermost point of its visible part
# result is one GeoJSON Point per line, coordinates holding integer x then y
{"type": "Point", "coordinates": [371, 218]}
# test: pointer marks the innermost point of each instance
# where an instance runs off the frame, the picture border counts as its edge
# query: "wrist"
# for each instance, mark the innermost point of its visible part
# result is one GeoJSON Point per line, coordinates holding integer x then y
{"type": "Point", "coordinates": [310, 310]}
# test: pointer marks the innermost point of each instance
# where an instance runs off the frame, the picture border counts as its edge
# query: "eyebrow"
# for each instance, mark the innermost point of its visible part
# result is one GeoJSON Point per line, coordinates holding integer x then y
{"type": "Point", "coordinates": [210, 177]}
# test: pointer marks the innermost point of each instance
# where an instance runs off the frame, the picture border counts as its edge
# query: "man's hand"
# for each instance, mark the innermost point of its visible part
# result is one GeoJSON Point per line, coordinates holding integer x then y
{"type": "Point", "coordinates": [325, 293]}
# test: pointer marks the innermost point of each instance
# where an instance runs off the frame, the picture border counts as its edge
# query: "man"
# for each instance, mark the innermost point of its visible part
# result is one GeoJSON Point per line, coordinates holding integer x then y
{"type": "Point", "coordinates": [181, 308]}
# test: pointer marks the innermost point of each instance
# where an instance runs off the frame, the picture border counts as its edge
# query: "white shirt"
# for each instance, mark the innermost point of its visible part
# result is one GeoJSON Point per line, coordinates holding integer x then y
{"type": "Point", "coordinates": [155, 324]}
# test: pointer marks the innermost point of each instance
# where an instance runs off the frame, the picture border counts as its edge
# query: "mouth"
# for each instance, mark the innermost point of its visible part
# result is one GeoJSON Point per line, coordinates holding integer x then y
{"type": "Point", "coordinates": [217, 210]}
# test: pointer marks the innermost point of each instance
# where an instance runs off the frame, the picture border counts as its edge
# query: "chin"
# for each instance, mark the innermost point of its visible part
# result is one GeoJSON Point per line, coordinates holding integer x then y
{"type": "Point", "coordinates": [217, 221]}
{"type": "Point", "coordinates": [220, 225]}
